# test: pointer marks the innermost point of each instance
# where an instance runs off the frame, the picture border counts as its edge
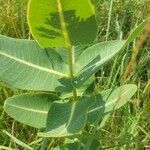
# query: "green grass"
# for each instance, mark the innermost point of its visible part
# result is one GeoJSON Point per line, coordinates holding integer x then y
{"type": "Point", "coordinates": [129, 127]}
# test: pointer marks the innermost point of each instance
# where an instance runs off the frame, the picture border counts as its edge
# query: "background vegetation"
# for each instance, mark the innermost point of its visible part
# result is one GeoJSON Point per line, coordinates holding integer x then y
{"type": "Point", "coordinates": [127, 128]}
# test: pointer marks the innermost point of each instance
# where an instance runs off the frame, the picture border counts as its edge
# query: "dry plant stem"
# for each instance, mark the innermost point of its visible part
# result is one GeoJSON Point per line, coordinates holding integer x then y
{"type": "Point", "coordinates": [132, 64]}
{"type": "Point", "coordinates": [68, 45]}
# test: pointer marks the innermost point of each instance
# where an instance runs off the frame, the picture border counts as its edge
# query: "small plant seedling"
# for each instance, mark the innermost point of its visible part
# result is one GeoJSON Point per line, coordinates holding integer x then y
{"type": "Point", "coordinates": [59, 66]}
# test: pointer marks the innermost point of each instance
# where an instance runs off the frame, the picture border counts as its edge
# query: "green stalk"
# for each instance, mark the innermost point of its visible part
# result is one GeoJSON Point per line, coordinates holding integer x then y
{"type": "Point", "coordinates": [71, 67]}
{"type": "Point", "coordinates": [67, 45]}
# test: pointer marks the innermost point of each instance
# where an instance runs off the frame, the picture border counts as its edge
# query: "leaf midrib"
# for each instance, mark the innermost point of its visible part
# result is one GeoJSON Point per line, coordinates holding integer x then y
{"type": "Point", "coordinates": [28, 109]}
{"type": "Point", "coordinates": [98, 63]}
{"type": "Point", "coordinates": [71, 114]}
{"type": "Point", "coordinates": [33, 65]}
{"type": "Point", "coordinates": [69, 120]}
{"type": "Point", "coordinates": [107, 104]}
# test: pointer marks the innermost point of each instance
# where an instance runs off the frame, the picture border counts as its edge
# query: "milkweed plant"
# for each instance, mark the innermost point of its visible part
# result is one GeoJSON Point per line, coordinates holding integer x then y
{"type": "Point", "coordinates": [59, 67]}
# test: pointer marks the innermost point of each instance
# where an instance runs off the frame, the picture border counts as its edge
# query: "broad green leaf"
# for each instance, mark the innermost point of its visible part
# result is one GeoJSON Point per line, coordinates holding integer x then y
{"type": "Point", "coordinates": [67, 118]}
{"type": "Point", "coordinates": [24, 65]}
{"type": "Point", "coordinates": [110, 100]}
{"type": "Point", "coordinates": [30, 109]}
{"type": "Point", "coordinates": [93, 58]}
{"type": "Point", "coordinates": [50, 29]}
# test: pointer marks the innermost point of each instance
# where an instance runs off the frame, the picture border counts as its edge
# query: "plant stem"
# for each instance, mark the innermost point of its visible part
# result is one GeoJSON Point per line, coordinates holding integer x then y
{"type": "Point", "coordinates": [71, 66]}
{"type": "Point", "coordinates": [71, 60]}
{"type": "Point", "coordinates": [68, 45]}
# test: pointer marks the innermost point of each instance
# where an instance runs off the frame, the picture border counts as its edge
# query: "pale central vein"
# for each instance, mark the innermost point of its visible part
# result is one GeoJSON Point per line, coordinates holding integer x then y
{"type": "Point", "coordinates": [110, 103]}
{"type": "Point", "coordinates": [33, 65]}
{"type": "Point", "coordinates": [29, 109]}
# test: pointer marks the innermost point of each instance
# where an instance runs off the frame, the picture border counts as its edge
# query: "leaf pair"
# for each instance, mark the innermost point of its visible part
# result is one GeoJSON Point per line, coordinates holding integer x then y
{"type": "Point", "coordinates": [33, 68]}
{"type": "Point", "coordinates": [65, 118]}
{"type": "Point", "coordinates": [39, 69]}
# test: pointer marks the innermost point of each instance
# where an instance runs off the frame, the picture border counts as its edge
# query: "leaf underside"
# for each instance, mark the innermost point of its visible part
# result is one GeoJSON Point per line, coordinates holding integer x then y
{"type": "Point", "coordinates": [94, 57]}
{"type": "Point", "coordinates": [33, 68]}
{"type": "Point", "coordinates": [110, 100]}
{"type": "Point", "coordinates": [29, 66]}
{"type": "Point", "coordinates": [67, 118]}
{"type": "Point", "coordinates": [30, 109]}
